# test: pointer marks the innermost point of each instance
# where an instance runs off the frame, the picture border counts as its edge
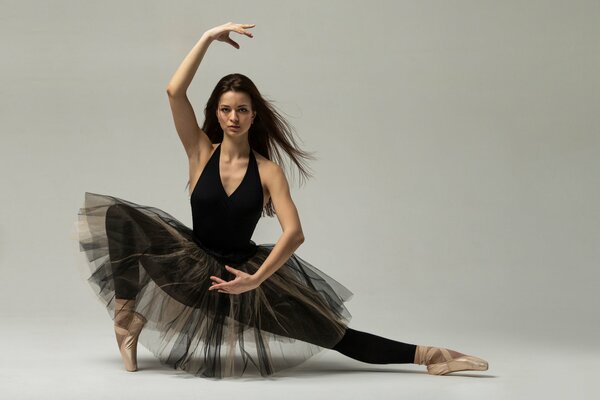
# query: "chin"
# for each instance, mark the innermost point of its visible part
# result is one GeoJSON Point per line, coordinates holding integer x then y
{"type": "Point", "coordinates": [237, 133]}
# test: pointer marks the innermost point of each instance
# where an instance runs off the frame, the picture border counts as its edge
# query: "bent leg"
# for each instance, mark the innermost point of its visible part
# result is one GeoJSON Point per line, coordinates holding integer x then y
{"type": "Point", "coordinates": [125, 245]}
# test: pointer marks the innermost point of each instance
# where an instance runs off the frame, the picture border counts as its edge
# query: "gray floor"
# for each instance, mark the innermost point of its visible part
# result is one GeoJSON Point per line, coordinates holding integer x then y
{"type": "Point", "coordinates": [75, 357]}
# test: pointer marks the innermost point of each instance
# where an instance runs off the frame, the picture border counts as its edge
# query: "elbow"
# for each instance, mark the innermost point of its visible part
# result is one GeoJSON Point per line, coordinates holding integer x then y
{"type": "Point", "coordinates": [172, 92]}
{"type": "Point", "coordinates": [293, 236]}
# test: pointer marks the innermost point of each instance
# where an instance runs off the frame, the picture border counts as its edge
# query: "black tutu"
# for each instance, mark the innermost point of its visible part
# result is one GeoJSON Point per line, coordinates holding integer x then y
{"type": "Point", "coordinates": [294, 314]}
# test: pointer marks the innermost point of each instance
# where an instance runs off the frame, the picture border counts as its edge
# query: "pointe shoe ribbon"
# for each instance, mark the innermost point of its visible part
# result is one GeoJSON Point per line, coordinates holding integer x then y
{"type": "Point", "coordinates": [425, 354]}
{"type": "Point", "coordinates": [127, 334]}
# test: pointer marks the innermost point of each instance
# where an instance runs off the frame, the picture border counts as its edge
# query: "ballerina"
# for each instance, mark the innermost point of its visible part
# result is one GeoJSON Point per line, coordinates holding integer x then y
{"type": "Point", "coordinates": [209, 300]}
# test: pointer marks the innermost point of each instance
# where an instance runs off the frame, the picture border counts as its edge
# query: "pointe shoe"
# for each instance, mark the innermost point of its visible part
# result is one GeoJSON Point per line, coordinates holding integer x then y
{"type": "Point", "coordinates": [426, 355]}
{"type": "Point", "coordinates": [128, 325]}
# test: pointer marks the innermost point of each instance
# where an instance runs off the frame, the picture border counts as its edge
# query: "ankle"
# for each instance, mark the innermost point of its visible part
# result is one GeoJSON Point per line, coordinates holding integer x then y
{"type": "Point", "coordinates": [124, 311]}
{"type": "Point", "coordinates": [420, 354]}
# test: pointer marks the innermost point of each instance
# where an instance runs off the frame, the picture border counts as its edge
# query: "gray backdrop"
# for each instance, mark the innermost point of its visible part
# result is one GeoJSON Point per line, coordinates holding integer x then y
{"type": "Point", "coordinates": [456, 187]}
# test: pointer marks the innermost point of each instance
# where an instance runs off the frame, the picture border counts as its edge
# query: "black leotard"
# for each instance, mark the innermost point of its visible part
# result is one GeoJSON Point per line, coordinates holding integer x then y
{"type": "Point", "coordinates": [223, 225]}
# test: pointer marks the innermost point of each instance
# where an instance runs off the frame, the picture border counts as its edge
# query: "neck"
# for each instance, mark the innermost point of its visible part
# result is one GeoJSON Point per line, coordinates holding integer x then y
{"type": "Point", "coordinates": [234, 149]}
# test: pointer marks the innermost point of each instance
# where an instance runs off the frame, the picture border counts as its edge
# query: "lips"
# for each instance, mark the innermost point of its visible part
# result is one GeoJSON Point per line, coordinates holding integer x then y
{"type": "Point", "coordinates": [234, 126]}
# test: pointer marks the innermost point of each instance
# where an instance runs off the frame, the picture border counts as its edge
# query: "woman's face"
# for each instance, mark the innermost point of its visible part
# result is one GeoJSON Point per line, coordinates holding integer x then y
{"type": "Point", "coordinates": [235, 113]}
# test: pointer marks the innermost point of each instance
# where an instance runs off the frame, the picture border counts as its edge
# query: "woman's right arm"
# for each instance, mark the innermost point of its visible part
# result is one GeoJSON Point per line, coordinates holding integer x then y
{"type": "Point", "coordinates": [182, 78]}
{"type": "Point", "coordinates": [194, 139]}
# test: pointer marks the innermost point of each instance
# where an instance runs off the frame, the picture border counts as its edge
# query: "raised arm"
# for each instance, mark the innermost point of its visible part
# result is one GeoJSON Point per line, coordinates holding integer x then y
{"type": "Point", "coordinates": [194, 139]}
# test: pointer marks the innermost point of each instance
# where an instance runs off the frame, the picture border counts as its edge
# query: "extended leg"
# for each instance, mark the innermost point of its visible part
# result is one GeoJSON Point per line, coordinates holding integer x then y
{"type": "Point", "coordinates": [373, 349]}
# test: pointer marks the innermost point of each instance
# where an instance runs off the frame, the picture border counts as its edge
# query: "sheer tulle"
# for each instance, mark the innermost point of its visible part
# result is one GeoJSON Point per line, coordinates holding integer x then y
{"type": "Point", "coordinates": [129, 250]}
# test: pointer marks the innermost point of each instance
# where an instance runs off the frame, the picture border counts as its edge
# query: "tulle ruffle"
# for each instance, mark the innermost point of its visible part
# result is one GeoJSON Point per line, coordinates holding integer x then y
{"type": "Point", "coordinates": [128, 250]}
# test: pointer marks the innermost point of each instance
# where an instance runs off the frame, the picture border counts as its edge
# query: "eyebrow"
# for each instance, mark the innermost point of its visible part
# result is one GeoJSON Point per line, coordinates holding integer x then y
{"type": "Point", "coordinates": [227, 105]}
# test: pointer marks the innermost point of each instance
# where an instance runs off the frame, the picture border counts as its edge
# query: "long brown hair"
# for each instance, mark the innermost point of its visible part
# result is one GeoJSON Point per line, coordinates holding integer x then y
{"type": "Point", "coordinates": [269, 134]}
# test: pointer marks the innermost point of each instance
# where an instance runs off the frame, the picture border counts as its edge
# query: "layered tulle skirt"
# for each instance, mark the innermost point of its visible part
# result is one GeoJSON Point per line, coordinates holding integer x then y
{"type": "Point", "coordinates": [128, 250]}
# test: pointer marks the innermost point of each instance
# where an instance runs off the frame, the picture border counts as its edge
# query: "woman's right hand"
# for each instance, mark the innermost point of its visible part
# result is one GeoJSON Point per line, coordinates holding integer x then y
{"type": "Point", "coordinates": [221, 33]}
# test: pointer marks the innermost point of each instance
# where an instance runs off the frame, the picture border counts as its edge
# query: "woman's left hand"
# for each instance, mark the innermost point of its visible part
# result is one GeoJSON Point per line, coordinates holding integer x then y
{"type": "Point", "coordinates": [242, 282]}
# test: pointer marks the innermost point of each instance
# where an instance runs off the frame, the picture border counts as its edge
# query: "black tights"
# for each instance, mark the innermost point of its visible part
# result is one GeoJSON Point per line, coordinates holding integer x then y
{"type": "Point", "coordinates": [373, 349]}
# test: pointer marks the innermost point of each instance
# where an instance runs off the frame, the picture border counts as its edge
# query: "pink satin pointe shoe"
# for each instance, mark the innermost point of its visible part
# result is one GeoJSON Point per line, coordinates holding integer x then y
{"type": "Point", "coordinates": [128, 325]}
{"type": "Point", "coordinates": [436, 365]}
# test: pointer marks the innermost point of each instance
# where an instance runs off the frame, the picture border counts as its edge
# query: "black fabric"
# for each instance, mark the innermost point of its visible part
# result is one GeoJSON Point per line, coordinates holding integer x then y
{"type": "Point", "coordinates": [223, 225]}
{"type": "Point", "coordinates": [373, 349]}
{"type": "Point", "coordinates": [124, 253]}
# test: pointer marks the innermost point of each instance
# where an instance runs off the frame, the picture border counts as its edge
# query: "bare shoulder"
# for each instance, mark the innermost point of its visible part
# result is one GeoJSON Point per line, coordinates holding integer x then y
{"type": "Point", "coordinates": [272, 177]}
{"type": "Point", "coordinates": [268, 169]}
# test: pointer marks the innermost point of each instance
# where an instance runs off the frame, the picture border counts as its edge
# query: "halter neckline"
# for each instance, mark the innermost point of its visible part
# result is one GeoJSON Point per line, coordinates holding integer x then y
{"type": "Point", "coordinates": [229, 196]}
